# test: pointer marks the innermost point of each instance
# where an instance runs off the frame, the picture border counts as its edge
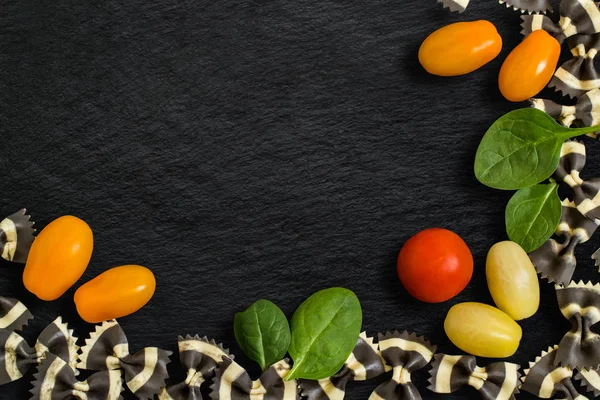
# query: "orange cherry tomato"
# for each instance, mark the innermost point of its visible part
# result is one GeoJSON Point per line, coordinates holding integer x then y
{"type": "Point", "coordinates": [118, 292]}
{"type": "Point", "coordinates": [529, 67]}
{"type": "Point", "coordinates": [435, 265]}
{"type": "Point", "coordinates": [58, 257]}
{"type": "Point", "coordinates": [460, 48]}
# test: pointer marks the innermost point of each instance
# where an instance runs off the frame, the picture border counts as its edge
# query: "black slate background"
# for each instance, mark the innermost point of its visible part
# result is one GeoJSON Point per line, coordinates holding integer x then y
{"type": "Point", "coordinates": [252, 149]}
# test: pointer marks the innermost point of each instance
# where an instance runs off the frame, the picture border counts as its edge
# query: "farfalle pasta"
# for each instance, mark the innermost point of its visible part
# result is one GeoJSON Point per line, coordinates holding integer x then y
{"type": "Point", "coordinates": [232, 382]}
{"type": "Point", "coordinates": [13, 314]}
{"type": "Point", "coordinates": [580, 305]}
{"type": "Point", "coordinates": [16, 237]}
{"type": "Point", "coordinates": [547, 380]}
{"type": "Point", "coordinates": [455, 5]}
{"type": "Point", "coordinates": [530, 6]}
{"type": "Point", "coordinates": [497, 381]}
{"type": "Point", "coordinates": [578, 76]}
{"type": "Point", "coordinates": [585, 191]}
{"type": "Point", "coordinates": [585, 113]}
{"type": "Point", "coordinates": [200, 358]}
{"type": "Point", "coordinates": [107, 348]}
{"type": "Point", "coordinates": [577, 17]}
{"type": "Point", "coordinates": [18, 357]}
{"type": "Point", "coordinates": [590, 380]}
{"type": "Point", "coordinates": [404, 353]}
{"type": "Point", "coordinates": [365, 362]}
{"type": "Point", "coordinates": [56, 380]}
{"type": "Point", "coordinates": [556, 260]}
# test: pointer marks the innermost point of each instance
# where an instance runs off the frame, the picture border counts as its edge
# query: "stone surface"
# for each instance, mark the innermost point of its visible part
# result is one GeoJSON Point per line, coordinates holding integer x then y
{"type": "Point", "coordinates": [253, 149]}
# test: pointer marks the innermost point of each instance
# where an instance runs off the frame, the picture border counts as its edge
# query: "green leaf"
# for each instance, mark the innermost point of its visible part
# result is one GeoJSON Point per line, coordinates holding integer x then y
{"type": "Point", "coordinates": [532, 215]}
{"type": "Point", "coordinates": [522, 148]}
{"type": "Point", "coordinates": [263, 333]}
{"type": "Point", "coordinates": [325, 329]}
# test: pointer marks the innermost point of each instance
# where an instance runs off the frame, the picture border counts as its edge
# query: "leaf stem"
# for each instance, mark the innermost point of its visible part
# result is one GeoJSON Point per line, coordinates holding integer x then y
{"type": "Point", "coordinates": [573, 132]}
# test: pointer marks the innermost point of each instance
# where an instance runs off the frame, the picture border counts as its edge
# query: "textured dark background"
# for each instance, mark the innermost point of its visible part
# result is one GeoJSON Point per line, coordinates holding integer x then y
{"type": "Point", "coordinates": [252, 149]}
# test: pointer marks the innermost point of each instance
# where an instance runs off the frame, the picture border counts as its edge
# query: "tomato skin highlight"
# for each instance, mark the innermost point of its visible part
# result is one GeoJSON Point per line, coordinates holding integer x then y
{"type": "Point", "coordinates": [115, 293]}
{"type": "Point", "coordinates": [529, 67]}
{"type": "Point", "coordinates": [460, 48]}
{"type": "Point", "coordinates": [435, 265]}
{"type": "Point", "coordinates": [58, 257]}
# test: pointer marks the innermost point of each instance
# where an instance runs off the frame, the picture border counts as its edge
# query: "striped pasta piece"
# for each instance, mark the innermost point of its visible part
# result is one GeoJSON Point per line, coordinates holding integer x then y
{"type": "Point", "coordinates": [455, 5]}
{"type": "Point", "coordinates": [547, 380]}
{"type": "Point", "coordinates": [580, 305]}
{"type": "Point", "coordinates": [13, 314]}
{"type": "Point", "coordinates": [232, 382]}
{"type": "Point", "coordinates": [55, 380]}
{"type": "Point", "coordinates": [556, 260]}
{"type": "Point", "coordinates": [529, 6]}
{"type": "Point", "coordinates": [404, 353]}
{"type": "Point", "coordinates": [497, 381]}
{"type": "Point", "coordinates": [577, 17]}
{"type": "Point", "coordinates": [107, 349]}
{"type": "Point", "coordinates": [365, 362]}
{"type": "Point", "coordinates": [590, 380]}
{"type": "Point", "coordinates": [19, 357]}
{"type": "Point", "coordinates": [578, 76]}
{"type": "Point", "coordinates": [585, 113]}
{"type": "Point", "coordinates": [16, 237]}
{"type": "Point", "coordinates": [200, 357]}
{"type": "Point", "coordinates": [586, 192]}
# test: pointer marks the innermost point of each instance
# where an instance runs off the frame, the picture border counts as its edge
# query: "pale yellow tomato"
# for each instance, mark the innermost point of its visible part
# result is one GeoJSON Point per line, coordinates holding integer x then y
{"type": "Point", "coordinates": [512, 280]}
{"type": "Point", "coordinates": [482, 330]}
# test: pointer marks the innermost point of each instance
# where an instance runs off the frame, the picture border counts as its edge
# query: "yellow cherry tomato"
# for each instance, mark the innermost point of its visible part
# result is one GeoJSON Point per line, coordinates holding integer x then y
{"type": "Point", "coordinates": [512, 280]}
{"type": "Point", "coordinates": [529, 67]}
{"type": "Point", "coordinates": [118, 292]}
{"type": "Point", "coordinates": [482, 330]}
{"type": "Point", "coordinates": [460, 48]}
{"type": "Point", "coordinates": [58, 257]}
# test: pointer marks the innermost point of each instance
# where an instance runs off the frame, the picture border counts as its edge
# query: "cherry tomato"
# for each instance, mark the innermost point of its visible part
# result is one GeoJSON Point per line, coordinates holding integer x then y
{"type": "Point", "coordinates": [512, 280]}
{"type": "Point", "coordinates": [529, 67]}
{"type": "Point", "coordinates": [460, 48]}
{"type": "Point", "coordinates": [482, 330]}
{"type": "Point", "coordinates": [58, 257]}
{"type": "Point", "coordinates": [435, 265]}
{"type": "Point", "coordinates": [118, 292]}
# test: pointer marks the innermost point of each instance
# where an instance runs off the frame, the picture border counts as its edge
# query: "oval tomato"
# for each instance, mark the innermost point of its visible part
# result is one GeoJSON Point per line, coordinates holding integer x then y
{"type": "Point", "coordinates": [512, 280]}
{"type": "Point", "coordinates": [58, 257]}
{"type": "Point", "coordinates": [115, 293]}
{"type": "Point", "coordinates": [435, 265]}
{"type": "Point", "coordinates": [529, 67]}
{"type": "Point", "coordinates": [482, 330]}
{"type": "Point", "coordinates": [460, 48]}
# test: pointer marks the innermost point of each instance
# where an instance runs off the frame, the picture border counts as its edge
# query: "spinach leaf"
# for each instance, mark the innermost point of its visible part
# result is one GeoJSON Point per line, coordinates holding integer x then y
{"type": "Point", "coordinates": [522, 148]}
{"type": "Point", "coordinates": [325, 329]}
{"type": "Point", "coordinates": [263, 333]}
{"type": "Point", "coordinates": [532, 215]}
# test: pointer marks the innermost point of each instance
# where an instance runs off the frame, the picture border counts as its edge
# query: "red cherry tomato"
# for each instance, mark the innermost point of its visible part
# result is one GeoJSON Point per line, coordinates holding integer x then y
{"type": "Point", "coordinates": [435, 265]}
